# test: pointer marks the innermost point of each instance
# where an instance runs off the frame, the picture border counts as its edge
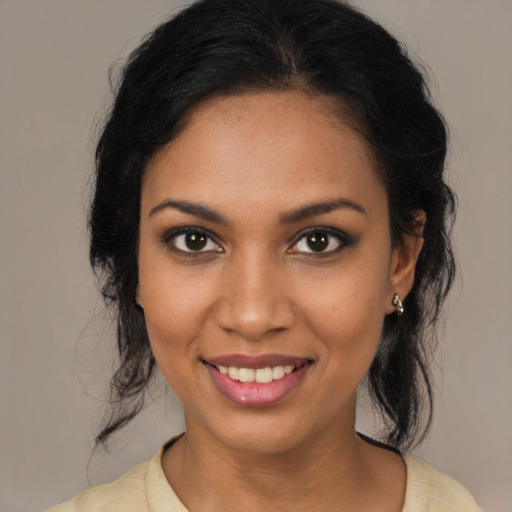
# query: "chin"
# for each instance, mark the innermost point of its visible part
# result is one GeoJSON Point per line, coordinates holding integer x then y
{"type": "Point", "coordinates": [261, 443]}
{"type": "Point", "coordinates": [259, 434]}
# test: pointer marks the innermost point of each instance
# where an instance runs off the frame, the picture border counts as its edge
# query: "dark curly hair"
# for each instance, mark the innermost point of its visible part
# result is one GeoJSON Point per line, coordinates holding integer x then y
{"type": "Point", "coordinates": [222, 47]}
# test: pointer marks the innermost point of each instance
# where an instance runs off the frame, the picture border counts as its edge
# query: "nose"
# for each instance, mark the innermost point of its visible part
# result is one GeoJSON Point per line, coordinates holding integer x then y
{"type": "Point", "coordinates": [255, 302]}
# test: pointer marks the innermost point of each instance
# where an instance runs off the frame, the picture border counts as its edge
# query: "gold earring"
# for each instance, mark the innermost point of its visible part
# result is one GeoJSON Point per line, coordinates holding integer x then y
{"type": "Point", "coordinates": [398, 304]}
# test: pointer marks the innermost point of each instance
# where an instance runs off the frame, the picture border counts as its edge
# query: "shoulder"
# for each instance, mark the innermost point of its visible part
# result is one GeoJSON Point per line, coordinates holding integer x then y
{"type": "Point", "coordinates": [429, 490]}
{"type": "Point", "coordinates": [126, 493]}
{"type": "Point", "coordinates": [143, 489]}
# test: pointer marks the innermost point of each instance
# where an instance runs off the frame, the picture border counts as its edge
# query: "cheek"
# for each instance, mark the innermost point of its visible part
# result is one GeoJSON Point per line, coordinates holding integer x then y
{"type": "Point", "coordinates": [177, 303]}
{"type": "Point", "coordinates": [173, 323]}
{"type": "Point", "coordinates": [175, 310]}
{"type": "Point", "coordinates": [351, 331]}
{"type": "Point", "coordinates": [350, 338]}
{"type": "Point", "coordinates": [347, 313]}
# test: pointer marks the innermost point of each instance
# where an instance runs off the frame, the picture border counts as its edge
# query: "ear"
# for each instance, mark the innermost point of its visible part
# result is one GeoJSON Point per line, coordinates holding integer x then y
{"type": "Point", "coordinates": [403, 262]}
{"type": "Point", "coordinates": [138, 298]}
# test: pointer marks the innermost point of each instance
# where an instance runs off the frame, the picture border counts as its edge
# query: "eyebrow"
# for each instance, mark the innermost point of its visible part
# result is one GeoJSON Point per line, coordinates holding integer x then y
{"type": "Point", "coordinates": [312, 210]}
{"type": "Point", "coordinates": [196, 209]}
{"type": "Point", "coordinates": [302, 213]}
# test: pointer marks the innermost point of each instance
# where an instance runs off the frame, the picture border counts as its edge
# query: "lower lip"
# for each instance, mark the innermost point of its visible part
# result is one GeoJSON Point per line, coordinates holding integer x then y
{"type": "Point", "coordinates": [254, 394]}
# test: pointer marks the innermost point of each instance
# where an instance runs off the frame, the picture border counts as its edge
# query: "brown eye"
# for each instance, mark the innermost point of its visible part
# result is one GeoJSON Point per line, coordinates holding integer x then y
{"type": "Point", "coordinates": [318, 242]}
{"type": "Point", "coordinates": [196, 241]}
{"type": "Point", "coordinates": [192, 241]}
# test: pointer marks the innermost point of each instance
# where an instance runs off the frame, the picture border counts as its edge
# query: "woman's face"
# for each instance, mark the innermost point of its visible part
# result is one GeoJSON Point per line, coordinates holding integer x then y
{"type": "Point", "coordinates": [266, 268]}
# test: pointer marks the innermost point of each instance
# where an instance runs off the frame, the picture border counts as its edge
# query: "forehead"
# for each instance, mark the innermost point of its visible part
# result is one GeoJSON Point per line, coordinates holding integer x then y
{"type": "Point", "coordinates": [278, 147]}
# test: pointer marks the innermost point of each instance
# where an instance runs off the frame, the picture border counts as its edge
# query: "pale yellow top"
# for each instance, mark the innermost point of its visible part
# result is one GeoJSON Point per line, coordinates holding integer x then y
{"type": "Point", "coordinates": [145, 489]}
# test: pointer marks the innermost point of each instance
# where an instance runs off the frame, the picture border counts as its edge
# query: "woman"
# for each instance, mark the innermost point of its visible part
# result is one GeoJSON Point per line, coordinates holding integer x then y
{"type": "Point", "coordinates": [271, 222]}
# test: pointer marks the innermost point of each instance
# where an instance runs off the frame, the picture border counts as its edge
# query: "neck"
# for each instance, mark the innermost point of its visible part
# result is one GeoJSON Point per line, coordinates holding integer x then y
{"type": "Point", "coordinates": [332, 468]}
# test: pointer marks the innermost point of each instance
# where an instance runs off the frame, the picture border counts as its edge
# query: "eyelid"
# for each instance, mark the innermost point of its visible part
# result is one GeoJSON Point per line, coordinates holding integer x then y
{"type": "Point", "coordinates": [171, 234]}
{"type": "Point", "coordinates": [342, 237]}
{"type": "Point", "coordinates": [344, 240]}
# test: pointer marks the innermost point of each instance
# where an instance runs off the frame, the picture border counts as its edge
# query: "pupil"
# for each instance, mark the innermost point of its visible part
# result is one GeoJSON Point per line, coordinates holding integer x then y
{"type": "Point", "coordinates": [318, 241]}
{"type": "Point", "coordinates": [196, 241]}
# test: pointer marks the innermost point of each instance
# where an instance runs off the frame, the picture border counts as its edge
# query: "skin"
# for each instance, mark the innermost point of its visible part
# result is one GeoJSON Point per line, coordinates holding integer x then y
{"type": "Point", "coordinates": [258, 288]}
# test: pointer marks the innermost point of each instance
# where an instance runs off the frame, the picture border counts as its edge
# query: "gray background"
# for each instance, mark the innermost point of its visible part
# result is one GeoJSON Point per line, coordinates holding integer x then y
{"type": "Point", "coordinates": [56, 343]}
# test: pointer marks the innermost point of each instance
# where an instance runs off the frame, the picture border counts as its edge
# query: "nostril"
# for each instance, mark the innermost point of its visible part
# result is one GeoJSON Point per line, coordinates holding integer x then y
{"type": "Point", "coordinates": [253, 319]}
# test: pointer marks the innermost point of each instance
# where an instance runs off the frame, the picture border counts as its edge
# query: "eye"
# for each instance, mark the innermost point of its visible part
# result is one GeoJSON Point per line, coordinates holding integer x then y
{"type": "Point", "coordinates": [320, 241]}
{"type": "Point", "coordinates": [191, 240]}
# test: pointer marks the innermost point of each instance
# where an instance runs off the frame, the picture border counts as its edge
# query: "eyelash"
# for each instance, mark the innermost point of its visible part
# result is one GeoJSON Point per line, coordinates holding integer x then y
{"type": "Point", "coordinates": [169, 240]}
{"type": "Point", "coordinates": [344, 240]}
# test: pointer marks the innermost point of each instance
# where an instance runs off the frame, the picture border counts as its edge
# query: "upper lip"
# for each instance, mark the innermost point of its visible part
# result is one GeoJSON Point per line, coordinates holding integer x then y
{"type": "Point", "coordinates": [260, 361]}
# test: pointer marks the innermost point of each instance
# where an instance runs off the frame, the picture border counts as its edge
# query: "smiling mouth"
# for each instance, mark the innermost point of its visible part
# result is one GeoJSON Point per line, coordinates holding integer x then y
{"type": "Point", "coordinates": [263, 375]}
{"type": "Point", "coordinates": [257, 381]}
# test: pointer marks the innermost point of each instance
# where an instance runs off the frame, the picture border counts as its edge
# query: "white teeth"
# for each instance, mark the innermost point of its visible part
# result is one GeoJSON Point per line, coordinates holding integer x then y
{"type": "Point", "coordinates": [264, 375]}
{"type": "Point", "coordinates": [233, 372]}
{"type": "Point", "coordinates": [260, 375]}
{"type": "Point", "coordinates": [246, 375]}
{"type": "Point", "coordinates": [278, 372]}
